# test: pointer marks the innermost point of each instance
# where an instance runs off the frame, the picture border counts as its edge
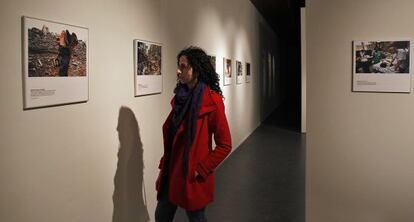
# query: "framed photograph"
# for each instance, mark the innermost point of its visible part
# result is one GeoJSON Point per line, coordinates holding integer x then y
{"type": "Point", "coordinates": [148, 74]}
{"type": "Point", "coordinates": [227, 70]}
{"type": "Point", "coordinates": [239, 72]}
{"type": "Point", "coordinates": [382, 66]}
{"type": "Point", "coordinates": [213, 61]}
{"type": "Point", "coordinates": [55, 63]}
{"type": "Point", "coordinates": [248, 75]}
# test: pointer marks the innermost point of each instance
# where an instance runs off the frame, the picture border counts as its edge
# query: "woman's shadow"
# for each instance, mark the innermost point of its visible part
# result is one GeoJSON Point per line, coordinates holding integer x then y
{"type": "Point", "coordinates": [129, 194]}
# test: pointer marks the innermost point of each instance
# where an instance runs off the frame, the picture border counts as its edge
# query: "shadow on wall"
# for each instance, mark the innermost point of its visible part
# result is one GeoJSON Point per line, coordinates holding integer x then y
{"type": "Point", "coordinates": [129, 195]}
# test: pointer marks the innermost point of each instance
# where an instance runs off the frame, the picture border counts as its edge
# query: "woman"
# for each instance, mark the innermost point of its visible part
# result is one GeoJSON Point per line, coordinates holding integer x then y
{"type": "Point", "coordinates": [187, 167]}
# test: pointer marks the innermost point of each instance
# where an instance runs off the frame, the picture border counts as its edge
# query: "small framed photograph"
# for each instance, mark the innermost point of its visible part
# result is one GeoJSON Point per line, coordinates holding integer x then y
{"type": "Point", "coordinates": [55, 63]}
{"type": "Point", "coordinates": [227, 70]}
{"type": "Point", "coordinates": [213, 61]}
{"type": "Point", "coordinates": [248, 74]}
{"type": "Point", "coordinates": [148, 73]}
{"type": "Point", "coordinates": [382, 66]}
{"type": "Point", "coordinates": [239, 72]}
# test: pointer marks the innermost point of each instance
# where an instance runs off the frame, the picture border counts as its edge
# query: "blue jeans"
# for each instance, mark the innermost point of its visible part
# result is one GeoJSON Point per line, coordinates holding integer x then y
{"type": "Point", "coordinates": [165, 213]}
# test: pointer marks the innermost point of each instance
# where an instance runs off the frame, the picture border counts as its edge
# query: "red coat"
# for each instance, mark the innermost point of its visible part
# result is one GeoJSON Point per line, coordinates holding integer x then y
{"type": "Point", "coordinates": [192, 193]}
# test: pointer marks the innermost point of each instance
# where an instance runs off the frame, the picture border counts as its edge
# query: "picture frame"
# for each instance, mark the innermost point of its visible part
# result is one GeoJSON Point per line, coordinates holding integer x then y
{"type": "Point", "coordinates": [227, 71]}
{"type": "Point", "coordinates": [239, 72]}
{"type": "Point", "coordinates": [213, 61]}
{"type": "Point", "coordinates": [147, 67]}
{"type": "Point", "coordinates": [55, 63]}
{"type": "Point", "coordinates": [382, 66]}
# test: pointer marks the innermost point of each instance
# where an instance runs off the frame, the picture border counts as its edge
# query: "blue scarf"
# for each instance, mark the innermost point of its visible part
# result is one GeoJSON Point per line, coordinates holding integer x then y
{"type": "Point", "coordinates": [186, 101]}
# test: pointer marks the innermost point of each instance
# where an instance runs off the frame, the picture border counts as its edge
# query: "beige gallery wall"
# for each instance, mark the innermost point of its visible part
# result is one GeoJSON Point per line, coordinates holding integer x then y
{"type": "Point", "coordinates": [97, 161]}
{"type": "Point", "coordinates": [360, 146]}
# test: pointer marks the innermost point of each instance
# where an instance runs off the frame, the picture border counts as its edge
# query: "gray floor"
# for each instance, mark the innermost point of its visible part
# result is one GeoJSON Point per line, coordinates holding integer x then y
{"type": "Point", "coordinates": [263, 180]}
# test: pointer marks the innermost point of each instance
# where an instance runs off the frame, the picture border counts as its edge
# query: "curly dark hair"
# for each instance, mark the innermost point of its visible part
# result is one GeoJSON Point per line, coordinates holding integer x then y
{"type": "Point", "coordinates": [202, 67]}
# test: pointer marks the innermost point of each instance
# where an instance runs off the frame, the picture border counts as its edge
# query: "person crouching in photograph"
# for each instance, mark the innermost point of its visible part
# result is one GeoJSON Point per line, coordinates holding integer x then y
{"type": "Point", "coordinates": [399, 59]}
{"type": "Point", "coordinates": [66, 43]}
{"type": "Point", "coordinates": [186, 177]}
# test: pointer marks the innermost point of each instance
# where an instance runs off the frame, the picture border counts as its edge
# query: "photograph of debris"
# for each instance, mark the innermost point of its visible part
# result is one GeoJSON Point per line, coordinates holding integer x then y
{"type": "Point", "coordinates": [148, 74]}
{"type": "Point", "coordinates": [149, 59]}
{"type": "Point", "coordinates": [55, 52]}
{"type": "Point", "coordinates": [55, 63]}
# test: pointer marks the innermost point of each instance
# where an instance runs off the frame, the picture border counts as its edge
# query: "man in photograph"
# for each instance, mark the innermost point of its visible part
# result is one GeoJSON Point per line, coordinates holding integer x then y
{"type": "Point", "coordinates": [67, 43]}
{"type": "Point", "coordinates": [399, 59]}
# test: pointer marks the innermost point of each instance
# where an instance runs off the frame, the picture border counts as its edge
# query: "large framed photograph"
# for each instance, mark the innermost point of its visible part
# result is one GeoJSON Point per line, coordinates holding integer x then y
{"type": "Point", "coordinates": [248, 74]}
{"type": "Point", "coordinates": [148, 73]}
{"type": "Point", "coordinates": [227, 70]}
{"type": "Point", "coordinates": [55, 63]}
{"type": "Point", "coordinates": [382, 66]}
{"type": "Point", "coordinates": [239, 72]}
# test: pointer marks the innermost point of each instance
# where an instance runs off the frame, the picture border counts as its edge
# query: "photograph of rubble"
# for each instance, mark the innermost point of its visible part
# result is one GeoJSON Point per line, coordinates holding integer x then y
{"type": "Point", "coordinates": [55, 63]}
{"type": "Point", "coordinates": [149, 59]}
{"type": "Point", "coordinates": [56, 53]}
{"type": "Point", "coordinates": [148, 75]}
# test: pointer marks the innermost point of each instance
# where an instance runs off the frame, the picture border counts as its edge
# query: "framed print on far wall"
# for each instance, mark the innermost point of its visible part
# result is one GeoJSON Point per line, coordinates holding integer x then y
{"type": "Point", "coordinates": [213, 61]}
{"type": "Point", "coordinates": [227, 70]}
{"type": "Point", "coordinates": [55, 63]}
{"type": "Point", "coordinates": [147, 66]}
{"type": "Point", "coordinates": [381, 66]}
{"type": "Point", "coordinates": [248, 74]}
{"type": "Point", "coordinates": [239, 72]}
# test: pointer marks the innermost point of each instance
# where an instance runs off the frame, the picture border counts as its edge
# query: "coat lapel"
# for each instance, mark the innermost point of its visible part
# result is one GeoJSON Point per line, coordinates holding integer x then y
{"type": "Point", "coordinates": [207, 106]}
